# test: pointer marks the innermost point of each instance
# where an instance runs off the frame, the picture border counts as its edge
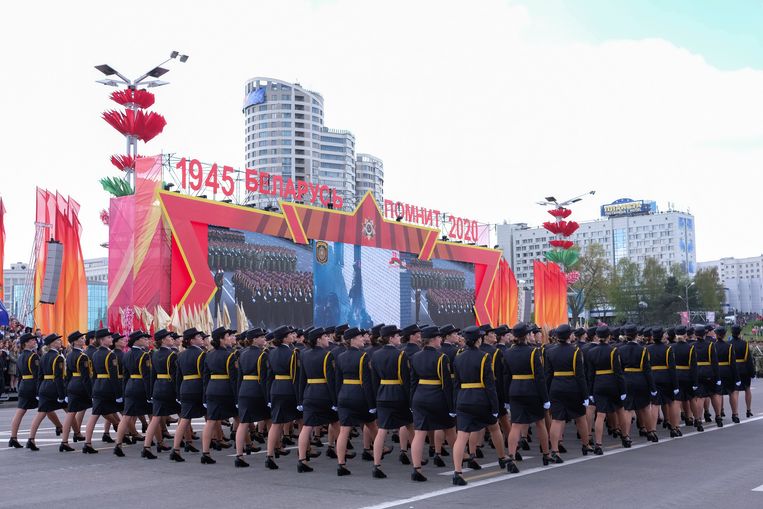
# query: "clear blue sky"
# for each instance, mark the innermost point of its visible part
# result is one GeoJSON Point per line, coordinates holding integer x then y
{"type": "Point", "coordinates": [727, 33]}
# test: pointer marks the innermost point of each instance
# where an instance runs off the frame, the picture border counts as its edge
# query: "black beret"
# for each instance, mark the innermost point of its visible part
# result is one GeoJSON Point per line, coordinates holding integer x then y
{"type": "Point", "coordinates": [115, 336]}
{"type": "Point", "coordinates": [430, 332]}
{"type": "Point", "coordinates": [736, 330]}
{"type": "Point", "coordinates": [520, 329]}
{"type": "Point", "coordinates": [411, 330]}
{"type": "Point", "coordinates": [472, 333]}
{"type": "Point", "coordinates": [256, 333]}
{"type": "Point", "coordinates": [50, 338]}
{"type": "Point", "coordinates": [163, 333]}
{"type": "Point", "coordinates": [74, 336]}
{"type": "Point", "coordinates": [281, 332]}
{"type": "Point", "coordinates": [351, 332]}
{"type": "Point", "coordinates": [389, 330]}
{"type": "Point", "coordinates": [189, 333]}
{"type": "Point", "coordinates": [315, 334]}
{"type": "Point", "coordinates": [219, 332]}
{"type": "Point", "coordinates": [602, 331]}
{"type": "Point", "coordinates": [376, 329]}
{"type": "Point", "coordinates": [448, 329]}
{"type": "Point", "coordinates": [564, 331]}
{"type": "Point", "coordinates": [501, 330]}
{"type": "Point", "coordinates": [102, 333]}
{"type": "Point", "coordinates": [135, 336]}
{"type": "Point", "coordinates": [27, 337]}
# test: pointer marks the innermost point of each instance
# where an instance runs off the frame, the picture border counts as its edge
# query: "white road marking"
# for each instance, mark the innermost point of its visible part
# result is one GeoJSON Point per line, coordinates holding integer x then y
{"type": "Point", "coordinates": [508, 477]}
{"type": "Point", "coordinates": [759, 488]}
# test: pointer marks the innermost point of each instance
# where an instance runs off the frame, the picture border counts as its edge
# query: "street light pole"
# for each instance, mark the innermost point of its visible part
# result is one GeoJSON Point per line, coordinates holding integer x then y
{"type": "Point", "coordinates": [688, 312]}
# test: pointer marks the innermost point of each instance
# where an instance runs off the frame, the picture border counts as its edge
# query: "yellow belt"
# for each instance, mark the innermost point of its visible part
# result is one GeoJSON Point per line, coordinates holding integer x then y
{"type": "Point", "coordinates": [724, 364]}
{"type": "Point", "coordinates": [164, 376]}
{"type": "Point", "coordinates": [564, 373]}
{"type": "Point", "coordinates": [741, 360]}
{"type": "Point", "coordinates": [49, 377]}
{"type": "Point", "coordinates": [103, 375]}
{"type": "Point", "coordinates": [604, 372]}
{"type": "Point", "coordinates": [219, 377]}
{"type": "Point", "coordinates": [522, 377]}
{"type": "Point", "coordinates": [391, 382]}
{"type": "Point", "coordinates": [136, 377]}
{"type": "Point", "coordinates": [283, 377]}
{"type": "Point", "coordinates": [76, 374]}
{"type": "Point", "coordinates": [425, 381]}
{"type": "Point", "coordinates": [192, 377]}
{"type": "Point", "coordinates": [682, 367]}
{"type": "Point", "coordinates": [659, 368]}
{"type": "Point", "coordinates": [352, 381]}
{"type": "Point", "coordinates": [633, 370]}
{"type": "Point", "coordinates": [703, 364]}
{"type": "Point", "coordinates": [251, 378]}
{"type": "Point", "coordinates": [317, 381]}
{"type": "Point", "coordinates": [27, 377]}
{"type": "Point", "coordinates": [476, 385]}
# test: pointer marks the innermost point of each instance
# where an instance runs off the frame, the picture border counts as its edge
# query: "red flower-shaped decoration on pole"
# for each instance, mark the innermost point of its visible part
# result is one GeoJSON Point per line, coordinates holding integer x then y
{"type": "Point", "coordinates": [563, 253]}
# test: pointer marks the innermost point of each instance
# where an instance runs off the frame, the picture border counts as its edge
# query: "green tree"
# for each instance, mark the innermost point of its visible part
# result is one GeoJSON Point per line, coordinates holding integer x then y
{"type": "Point", "coordinates": [710, 294]}
{"type": "Point", "coordinates": [623, 289]}
{"type": "Point", "coordinates": [652, 290]}
{"type": "Point", "coordinates": [590, 291]}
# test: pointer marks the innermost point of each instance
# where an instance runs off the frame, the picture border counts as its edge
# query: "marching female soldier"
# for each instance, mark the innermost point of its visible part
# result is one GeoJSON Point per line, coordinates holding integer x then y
{"type": "Point", "coordinates": [708, 376]}
{"type": "Point", "coordinates": [28, 364]}
{"type": "Point", "coordinates": [137, 372]}
{"type": "Point", "coordinates": [745, 369]}
{"type": "Point", "coordinates": [252, 403]}
{"type": "Point", "coordinates": [107, 387]}
{"type": "Point", "coordinates": [525, 386]}
{"type": "Point", "coordinates": [663, 361]}
{"type": "Point", "coordinates": [727, 368]}
{"type": "Point", "coordinates": [639, 384]}
{"type": "Point", "coordinates": [79, 388]}
{"type": "Point", "coordinates": [476, 402]}
{"type": "Point", "coordinates": [190, 389]}
{"type": "Point", "coordinates": [568, 391]}
{"type": "Point", "coordinates": [356, 403]}
{"type": "Point", "coordinates": [281, 390]}
{"type": "Point", "coordinates": [51, 394]}
{"type": "Point", "coordinates": [316, 395]}
{"type": "Point", "coordinates": [432, 397]}
{"type": "Point", "coordinates": [161, 391]}
{"type": "Point", "coordinates": [606, 385]}
{"type": "Point", "coordinates": [220, 381]}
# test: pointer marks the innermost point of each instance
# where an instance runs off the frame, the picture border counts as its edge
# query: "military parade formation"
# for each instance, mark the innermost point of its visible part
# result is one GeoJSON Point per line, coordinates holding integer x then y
{"type": "Point", "coordinates": [425, 387]}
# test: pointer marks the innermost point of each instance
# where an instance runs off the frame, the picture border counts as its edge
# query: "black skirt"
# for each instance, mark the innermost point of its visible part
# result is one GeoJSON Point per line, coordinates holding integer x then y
{"type": "Point", "coordinates": [47, 404]}
{"type": "Point", "coordinates": [393, 415]}
{"type": "Point", "coordinates": [104, 406]}
{"type": "Point", "coordinates": [162, 408]}
{"type": "Point", "coordinates": [27, 395]}
{"type": "Point", "coordinates": [283, 408]}
{"type": "Point", "coordinates": [318, 413]}
{"type": "Point", "coordinates": [192, 408]}
{"type": "Point", "coordinates": [220, 407]}
{"type": "Point", "coordinates": [431, 413]}
{"type": "Point", "coordinates": [566, 407]}
{"type": "Point", "coordinates": [706, 388]}
{"type": "Point", "coordinates": [471, 418]}
{"type": "Point", "coordinates": [78, 404]}
{"type": "Point", "coordinates": [354, 413]}
{"type": "Point", "coordinates": [685, 391]}
{"type": "Point", "coordinates": [664, 394]}
{"type": "Point", "coordinates": [252, 409]}
{"type": "Point", "coordinates": [135, 407]}
{"type": "Point", "coordinates": [526, 410]}
{"type": "Point", "coordinates": [606, 403]}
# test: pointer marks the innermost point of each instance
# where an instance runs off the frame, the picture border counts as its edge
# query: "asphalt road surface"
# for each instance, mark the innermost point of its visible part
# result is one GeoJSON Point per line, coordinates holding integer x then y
{"type": "Point", "coordinates": [718, 468]}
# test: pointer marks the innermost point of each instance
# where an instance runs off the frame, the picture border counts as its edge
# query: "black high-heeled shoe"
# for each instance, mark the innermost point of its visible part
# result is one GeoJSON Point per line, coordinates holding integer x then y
{"type": "Point", "coordinates": [330, 452]}
{"type": "Point", "coordinates": [518, 456]}
{"type": "Point", "coordinates": [642, 432]}
{"type": "Point", "coordinates": [14, 443]}
{"type": "Point", "coordinates": [626, 441]}
{"type": "Point", "coordinates": [206, 459]}
{"type": "Point", "coordinates": [163, 448]}
{"type": "Point", "coordinates": [89, 449]}
{"type": "Point", "coordinates": [367, 455]}
{"type": "Point", "coordinates": [585, 449]}
{"type": "Point", "coordinates": [510, 466]}
{"type": "Point", "coordinates": [190, 448]}
{"type": "Point", "coordinates": [524, 444]}
{"type": "Point", "coordinates": [65, 447]}
{"type": "Point", "coordinates": [735, 418]}
{"type": "Point", "coordinates": [341, 470]}
{"type": "Point", "coordinates": [417, 476]}
{"type": "Point", "coordinates": [404, 459]}
{"type": "Point", "coordinates": [106, 438]}
{"type": "Point", "coordinates": [175, 456]}
{"type": "Point", "coordinates": [652, 436]}
{"type": "Point", "coordinates": [287, 440]}
{"type": "Point", "coordinates": [249, 449]}
{"type": "Point", "coordinates": [59, 431]}
{"type": "Point", "coordinates": [555, 458]}
{"type": "Point", "coordinates": [79, 438]}
{"type": "Point", "coordinates": [546, 459]}
{"type": "Point", "coordinates": [562, 448]}
{"type": "Point", "coordinates": [257, 437]}
{"type": "Point", "coordinates": [303, 467]}
{"type": "Point", "coordinates": [118, 452]}
{"type": "Point", "coordinates": [147, 454]}
{"type": "Point", "coordinates": [472, 463]}
{"type": "Point", "coordinates": [719, 421]}
{"type": "Point", "coordinates": [707, 417]}
{"type": "Point", "coordinates": [215, 445]}
{"type": "Point", "coordinates": [674, 432]}
{"type": "Point", "coordinates": [444, 452]}
{"type": "Point", "coordinates": [699, 426]}
{"type": "Point", "coordinates": [458, 479]}
{"type": "Point", "coordinates": [438, 461]}
{"type": "Point", "coordinates": [478, 453]}
{"type": "Point", "coordinates": [597, 450]}
{"type": "Point", "coordinates": [240, 463]}
{"type": "Point", "coordinates": [377, 473]}
{"type": "Point", "coordinates": [749, 413]}
{"type": "Point", "coordinates": [270, 464]}
{"type": "Point", "coordinates": [31, 445]}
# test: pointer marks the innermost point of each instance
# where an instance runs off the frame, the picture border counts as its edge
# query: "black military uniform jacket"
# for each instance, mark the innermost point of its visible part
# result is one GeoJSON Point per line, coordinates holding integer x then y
{"type": "Point", "coordinates": [51, 376]}
{"type": "Point", "coordinates": [189, 373]}
{"type": "Point", "coordinates": [604, 371]}
{"type": "Point", "coordinates": [282, 372]}
{"type": "Point", "coordinates": [686, 362]}
{"type": "Point", "coordinates": [635, 362]}
{"type": "Point", "coordinates": [137, 373]}
{"type": "Point", "coordinates": [353, 378]}
{"type": "Point", "coordinates": [108, 373]}
{"type": "Point", "coordinates": [163, 373]}
{"type": "Point", "coordinates": [523, 372]}
{"type": "Point", "coordinates": [744, 362]}
{"type": "Point", "coordinates": [663, 363]}
{"type": "Point", "coordinates": [220, 373]}
{"type": "Point", "coordinates": [727, 363]}
{"type": "Point", "coordinates": [564, 371]}
{"type": "Point", "coordinates": [253, 373]}
{"type": "Point", "coordinates": [430, 376]}
{"type": "Point", "coordinates": [707, 360]}
{"type": "Point", "coordinates": [496, 365]}
{"type": "Point", "coordinates": [79, 374]}
{"type": "Point", "coordinates": [28, 368]}
{"type": "Point", "coordinates": [316, 376]}
{"type": "Point", "coordinates": [473, 384]}
{"type": "Point", "coordinates": [391, 375]}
